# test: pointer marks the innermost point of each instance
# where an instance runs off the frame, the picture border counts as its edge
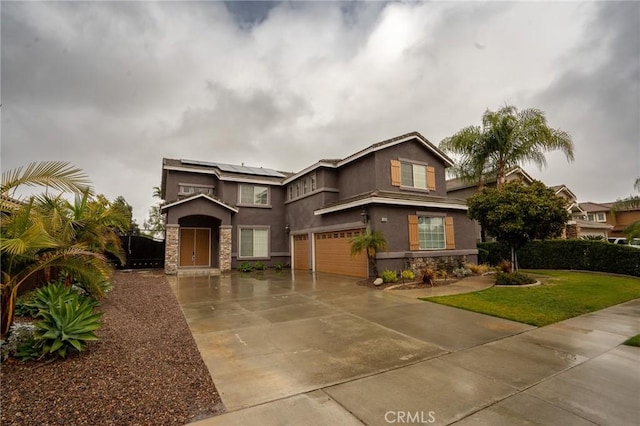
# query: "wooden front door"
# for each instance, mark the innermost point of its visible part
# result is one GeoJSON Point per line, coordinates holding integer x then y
{"type": "Point", "coordinates": [195, 244]}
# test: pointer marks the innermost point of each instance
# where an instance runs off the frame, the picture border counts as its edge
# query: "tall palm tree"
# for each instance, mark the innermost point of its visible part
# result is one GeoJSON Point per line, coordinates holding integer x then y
{"type": "Point", "coordinates": [507, 138]}
{"type": "Point", "coordinates": [371, 242]}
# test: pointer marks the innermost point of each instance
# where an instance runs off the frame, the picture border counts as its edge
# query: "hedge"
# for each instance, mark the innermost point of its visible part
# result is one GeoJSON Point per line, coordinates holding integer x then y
{"type": "Point", "coordinates": [582, 255]}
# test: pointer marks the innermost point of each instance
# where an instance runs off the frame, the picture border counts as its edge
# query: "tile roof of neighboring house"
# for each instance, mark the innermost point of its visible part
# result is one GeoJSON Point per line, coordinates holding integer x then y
{"type": "Point", "coordinates": [395, 198]}
{"type": "Point", "coordinates": [457, 183]}
{"type": "Point", "coordinates": [590, 207]}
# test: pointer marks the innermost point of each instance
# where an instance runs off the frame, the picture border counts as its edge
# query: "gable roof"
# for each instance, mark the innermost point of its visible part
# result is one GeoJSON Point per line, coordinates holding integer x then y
{"type": "Point", "coordinates": [590, 207]}
{"type": "Point", "coordinates": [560, 188]}
{"type": "Point", "coordinates": [337, 163]}
{"type": "Point", "coordinates": [195, 197]}
{"type": "Point", "coordinates": [458, 183]}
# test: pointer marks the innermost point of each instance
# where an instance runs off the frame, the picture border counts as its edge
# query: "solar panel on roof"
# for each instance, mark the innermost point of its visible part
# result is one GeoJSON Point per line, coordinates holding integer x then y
{"type": "Point", "coordinates": [232, 168]}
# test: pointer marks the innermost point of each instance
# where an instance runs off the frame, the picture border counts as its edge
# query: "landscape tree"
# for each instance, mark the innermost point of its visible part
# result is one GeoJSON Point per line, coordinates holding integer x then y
{"type": "Point", "coordinates": [154, 224]}
{"type": "Point", "coordinates": [517, 214]}
{"type": "Point", "coordinates": [370, 242]}
{"type": "Point", "coordinates": [507, 138]}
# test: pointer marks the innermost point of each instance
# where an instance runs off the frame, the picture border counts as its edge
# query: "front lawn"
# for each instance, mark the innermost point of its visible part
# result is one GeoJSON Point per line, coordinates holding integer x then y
{"type": "Point", "coordinates": [634, 341]}
{"type": "Point", "coordinates": [563, 295]}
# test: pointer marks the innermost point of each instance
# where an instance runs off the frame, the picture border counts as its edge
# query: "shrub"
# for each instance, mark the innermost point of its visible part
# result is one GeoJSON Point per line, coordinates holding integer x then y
{"type": "Point", "coordinates": [483, 255]}
{"type": "Point", "coordinates": [20, 340]}
{"type": "Point", "coordinates": [389, 276]}
{"type": "Point", "coordinates": [278, 266]}
{"type": "Point", "coordinates": [428, 275]}
{"type": "Point", "coordinates": [408, 274]}
{"type": "Point", "coordinates": [504, 266]}
{"type": "Point", "coordinates": [442, 274]}
{"type": "Point", "coordinates": [68, 323]}
{"type": "Point", "coordinates": [516, 278]}
{"type": "Point", "coordinates": [582, 255]}
{"type": "Point", "coordinates": [245, 267]}
{"type": "Point", "coordinates": [462, 272]}
{"type": "Point", "coordinates": [24, 306]}
{"type": "Point", "coordinates": [477, 269]}
{"type": "Point", "coordinates": [259, 266]}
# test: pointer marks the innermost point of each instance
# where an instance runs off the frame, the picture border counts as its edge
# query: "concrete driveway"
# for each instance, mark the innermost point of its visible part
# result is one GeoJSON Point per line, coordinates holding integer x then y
{"type": "Point", "coordinates": [293, 348]}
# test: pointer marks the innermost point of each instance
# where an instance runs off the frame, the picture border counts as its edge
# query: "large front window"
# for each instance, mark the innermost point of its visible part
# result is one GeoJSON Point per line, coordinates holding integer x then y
{"type": "Point", "coordinates": [254, 195]}
{"type": "Point", "coordinates": [413, 175]}
{"type": "Point", "coordinates": [254, 242]}
{"type": "Point", "coordinates": [431, 233]}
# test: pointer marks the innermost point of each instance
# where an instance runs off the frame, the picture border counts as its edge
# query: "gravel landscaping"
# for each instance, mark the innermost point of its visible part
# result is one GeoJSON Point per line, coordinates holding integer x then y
{"type": "Point", "coordinates": [145, 369]}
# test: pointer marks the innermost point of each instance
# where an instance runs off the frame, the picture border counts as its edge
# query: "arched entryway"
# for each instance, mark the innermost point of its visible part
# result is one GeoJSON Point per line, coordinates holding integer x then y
{"type": "Point", "coordinates": [198, 242]}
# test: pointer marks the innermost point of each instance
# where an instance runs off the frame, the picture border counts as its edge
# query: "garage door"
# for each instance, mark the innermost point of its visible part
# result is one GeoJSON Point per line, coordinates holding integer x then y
{"type": "Point", "coordinates": [301, 252]}
{"type": "Point", "coordinates": [333, 254]}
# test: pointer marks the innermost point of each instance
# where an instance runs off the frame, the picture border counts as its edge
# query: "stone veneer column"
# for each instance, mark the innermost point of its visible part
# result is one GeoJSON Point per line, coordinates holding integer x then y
{"type": "Point", "coordinates": [572, 230]}
{"type": "Point", "coordinates": [171, 249]}
{"type": "Point", "coordinates": [225, 248]}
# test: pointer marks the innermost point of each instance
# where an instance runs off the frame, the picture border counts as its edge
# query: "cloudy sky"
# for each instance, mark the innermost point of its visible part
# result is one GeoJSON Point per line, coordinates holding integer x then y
{"type": "Point", "coordinates": [113, 87]}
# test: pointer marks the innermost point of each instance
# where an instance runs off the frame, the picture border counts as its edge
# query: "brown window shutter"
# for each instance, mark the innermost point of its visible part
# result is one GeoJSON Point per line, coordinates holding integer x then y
{"type": "Point", "coordinates": [448, 233]}
{"type": "Point", "coordinates": [414, 241]}
{"type": "Point", "coordinates": [395, 173]}
{"type": "Point", "coordinates": [431, 178]}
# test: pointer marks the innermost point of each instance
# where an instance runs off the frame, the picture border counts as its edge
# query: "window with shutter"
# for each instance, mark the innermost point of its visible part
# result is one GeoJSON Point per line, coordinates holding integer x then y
{"type": "Point", "coordinates": [430, 233]}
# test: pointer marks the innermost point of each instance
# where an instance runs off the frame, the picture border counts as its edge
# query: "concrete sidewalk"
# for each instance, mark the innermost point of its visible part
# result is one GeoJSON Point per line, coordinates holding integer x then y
{"type": "Point", "coordinates": [321, 352]}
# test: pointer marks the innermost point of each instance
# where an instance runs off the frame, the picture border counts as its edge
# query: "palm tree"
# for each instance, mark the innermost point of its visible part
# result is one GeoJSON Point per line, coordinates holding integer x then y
{"type": "Point", "coordinates": [371, 242]}
{"type": "Point", "coordinates": [31, 232]}
{"type": "Point", "coordinates": [507, 138]}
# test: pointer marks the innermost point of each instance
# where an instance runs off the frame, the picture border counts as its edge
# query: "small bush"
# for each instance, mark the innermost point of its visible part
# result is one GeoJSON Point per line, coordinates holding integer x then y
{"type": "Point", "coordinates": [68, 323]}
{"type": "Point", "coordinates": [428, 275]}
{"type": "Point", "coordinates": [389, 276]}
{"type": "Point", "coordinates": [477, 269]}
{"type": "Point", "coordinates": [278, 266]}
{"type": "Point", "coordinates": [483, 255]}
{"type": "Point", "coordinates": [20, 337]}
{"type": "Point", "coordinates": [504, 266]}
{"type": "Point", "coordinates": [259, 266]}
{"type": "Point", "coordinates": [24, 305]}
{"type": "Point", "coordinates": [245, 267]}
{"type": "Point", "coordinates": [442, 274]}
{"type": "Point", "coordinates": [408, 275]}
{"type": "Point", "coordinates": [516, 278]}
{"type": "Point", "coordinates": [462, 272]}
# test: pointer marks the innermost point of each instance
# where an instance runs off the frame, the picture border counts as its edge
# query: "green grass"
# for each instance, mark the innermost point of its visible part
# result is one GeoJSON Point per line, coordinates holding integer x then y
{"type": "Point", "coordinates": [563, 295]}
{"type": "Point", "coordinates": [634, 341]}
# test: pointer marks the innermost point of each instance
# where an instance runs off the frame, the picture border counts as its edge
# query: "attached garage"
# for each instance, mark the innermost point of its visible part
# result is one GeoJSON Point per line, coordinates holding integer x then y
{"type": "Point", "coordinates": [333, 254]}
{"type": "Point", "coordinates": [301, 252]}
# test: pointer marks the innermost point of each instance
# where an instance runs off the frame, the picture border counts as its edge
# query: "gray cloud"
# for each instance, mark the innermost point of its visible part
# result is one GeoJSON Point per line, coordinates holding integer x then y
{"type": "Point", "coordinates": [114, 87]}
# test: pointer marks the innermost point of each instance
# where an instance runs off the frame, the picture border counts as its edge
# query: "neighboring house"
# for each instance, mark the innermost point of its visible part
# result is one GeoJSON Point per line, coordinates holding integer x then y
{"type": "Point", "coordinates": [459, 188]}
{"type": "Point", "coordinates": [602, 213]}
{"type": "Point", "coordinates": [220, 215]}
{"type": "Point", "coordinates": [582, 223]}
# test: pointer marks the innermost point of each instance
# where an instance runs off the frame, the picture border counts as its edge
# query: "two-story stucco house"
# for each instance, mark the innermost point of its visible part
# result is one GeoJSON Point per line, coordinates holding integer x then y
{"type": "Point", "coordinates": [220, 215]}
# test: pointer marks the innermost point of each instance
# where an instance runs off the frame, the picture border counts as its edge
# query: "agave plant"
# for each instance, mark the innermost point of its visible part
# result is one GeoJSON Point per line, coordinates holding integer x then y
{"type": "Point", "coordinates": [67, 323]}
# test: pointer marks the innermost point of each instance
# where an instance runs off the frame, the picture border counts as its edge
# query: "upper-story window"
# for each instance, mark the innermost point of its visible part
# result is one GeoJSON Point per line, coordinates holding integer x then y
{"type": "Point", "coordinates": [408, 174]}
{"type": "Point", "coordinates": [597, 217]}
{"type": "Point", "coordinates": [254, 195]}
{"type": "Point", "coordinates": [187, 189]}
{"type": "Point", "coordinates": [302, 186]}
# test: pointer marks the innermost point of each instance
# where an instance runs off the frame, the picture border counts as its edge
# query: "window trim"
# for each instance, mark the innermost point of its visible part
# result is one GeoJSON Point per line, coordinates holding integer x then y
{"type": "Point", "coordinates": [604, 217]}
{"type": "Point", "coordinates": [429, 175]}
{"type": "Point", "coordinates": [444, 232]}
{"type": "Point", "coordinates": [254, 186]}
{"type": "Point", "coordinates": [211, 188]}
{"type": "Point", "coordinates": [253, 228]}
